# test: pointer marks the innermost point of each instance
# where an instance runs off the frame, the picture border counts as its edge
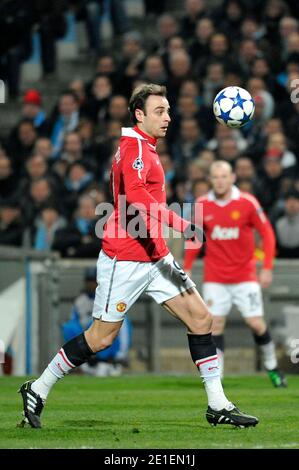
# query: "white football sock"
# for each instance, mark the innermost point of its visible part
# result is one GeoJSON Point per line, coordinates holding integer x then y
{"type": "Point", "coordinates": [209, 371]}
{"type": "Point", "coordinates": [57, 369]}
{"type": "Point", "coordinates": [269, 355]}
{"type": "Point", "coordinates": [220, 355]}
{"type": "Point", "coordinates": [44, 383]}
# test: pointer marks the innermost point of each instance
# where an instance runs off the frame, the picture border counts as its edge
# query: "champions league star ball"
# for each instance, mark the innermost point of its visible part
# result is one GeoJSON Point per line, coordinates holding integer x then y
{"type": "Point", "coordinates": [233, 106]}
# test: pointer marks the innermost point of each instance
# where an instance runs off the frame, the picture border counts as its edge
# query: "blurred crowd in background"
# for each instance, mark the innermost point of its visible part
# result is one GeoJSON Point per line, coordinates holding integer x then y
{"type": "Point", "coordinates": [54, 167]}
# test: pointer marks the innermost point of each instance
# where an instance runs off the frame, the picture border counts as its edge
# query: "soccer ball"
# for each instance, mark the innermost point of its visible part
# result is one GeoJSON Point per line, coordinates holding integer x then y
{"type": "Point", "coordinates": [233, 106]}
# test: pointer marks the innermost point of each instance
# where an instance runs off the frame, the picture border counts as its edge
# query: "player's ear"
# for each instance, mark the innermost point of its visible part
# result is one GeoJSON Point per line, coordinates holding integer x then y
{"type": "Point", "coordinates": [234, 178]}
{"type": "Point", "coordinates": [139, 115]}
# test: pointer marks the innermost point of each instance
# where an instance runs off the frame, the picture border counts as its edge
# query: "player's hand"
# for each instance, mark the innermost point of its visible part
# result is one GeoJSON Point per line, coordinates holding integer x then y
{"type": "Point", "coordinates": [265, 278]}
{"type": "Point", "coordinates": [188, 272]}
{"type": "Point", "coordinates": [194, 233]}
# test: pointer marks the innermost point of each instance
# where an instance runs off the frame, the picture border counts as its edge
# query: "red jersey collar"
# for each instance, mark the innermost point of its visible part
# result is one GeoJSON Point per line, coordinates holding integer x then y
{"type": "Point", "coordinates": [149, 138]}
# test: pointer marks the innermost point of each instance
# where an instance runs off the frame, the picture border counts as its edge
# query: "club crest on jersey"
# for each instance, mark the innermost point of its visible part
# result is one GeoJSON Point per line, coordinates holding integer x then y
{"type": "Point", "coordinates": [138, 164]}
{"type": "Point", "coordinates": [121, 306]}
{"type": "Point", "coordinates": [235, 215]}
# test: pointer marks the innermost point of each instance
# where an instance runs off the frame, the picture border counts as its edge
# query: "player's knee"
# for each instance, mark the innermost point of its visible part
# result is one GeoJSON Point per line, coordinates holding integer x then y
{"type": "Point", "coordinates": [202, 324]}
{"type": "Point", "coordinates": [97, 344]}
{"type": "Point", "coordinates": [257, 325]}
{"type": "Point", "coordinates": [208, 321]}
{"type": "Point", "coordinates": [218, 325]}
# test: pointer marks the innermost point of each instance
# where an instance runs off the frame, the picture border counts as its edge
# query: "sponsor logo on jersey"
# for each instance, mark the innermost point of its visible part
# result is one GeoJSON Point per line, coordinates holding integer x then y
{"type": "Point", "coordinates": [225, 233]}
{"type": "Point", "coordinates": [235, 215]}
{"type": "Point", "coordinates": [121, 306]}
{"type": "Point", "coordinates": [138, 164]}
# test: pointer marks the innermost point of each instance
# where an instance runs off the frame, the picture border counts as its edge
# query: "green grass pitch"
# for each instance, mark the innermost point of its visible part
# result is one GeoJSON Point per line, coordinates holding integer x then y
{"type": "Point", "coordinates": [150, 412]}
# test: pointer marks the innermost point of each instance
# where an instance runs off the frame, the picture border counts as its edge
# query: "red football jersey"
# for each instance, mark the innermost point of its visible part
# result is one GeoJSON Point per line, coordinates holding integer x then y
{"type": "Point", "coordinates": [137, 175]}
{"type": "Point", "coordinates": [229, 229]}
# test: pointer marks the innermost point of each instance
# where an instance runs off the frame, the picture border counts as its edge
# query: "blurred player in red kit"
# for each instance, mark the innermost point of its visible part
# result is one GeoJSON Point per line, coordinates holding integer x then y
{"type": "Point", "coordinates": [130, 265]}
{"type": "Point", "coordinates": [229, 220]}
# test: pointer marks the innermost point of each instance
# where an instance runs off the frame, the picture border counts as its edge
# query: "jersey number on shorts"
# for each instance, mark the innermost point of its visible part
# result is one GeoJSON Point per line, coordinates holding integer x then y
{"type": "Point", "coordinates": [254, 300]}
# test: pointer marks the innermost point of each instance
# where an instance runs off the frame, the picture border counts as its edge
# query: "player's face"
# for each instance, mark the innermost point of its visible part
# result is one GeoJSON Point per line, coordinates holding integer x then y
{"type": "Point", "coordinates": [222, 179]}
{"type": "Point", "coordinates": [156, 118]}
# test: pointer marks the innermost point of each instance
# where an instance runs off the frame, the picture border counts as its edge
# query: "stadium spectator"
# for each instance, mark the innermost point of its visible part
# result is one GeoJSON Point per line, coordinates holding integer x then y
{"type": "Point", "coordinates": [72, 152]}
{"type": "Point", "coordinates": [37, 168]}
{"type": "Point", "coordinates": [219, 51]}
{"type": "Point", "coordinates": [43, 146]}
{"type": "Point", "coordinates": [132, 60]}
{"type": "Point", "coordinates": [196, 170]}
{"type": "Point", "coordinates": [21, 146]}
{"type": "Point", "coordinates": [7, 179]}
{"type": "Point", "coordinates": [277, 141]}
{"type": "Point", "coordinates": [287, 227]}
{"type": "Point", "coordinates": [190, 141]}
{"type": "Point", "coordinates": [78, 87]}
{"type": "Point", "coordinates": [231, 19]}
{"type": "Point", "coordinates": [191, 88]}
{"type": "Point", "coordinates": [212, 82]}
{"type": "Point", "coordinates": [244, 169]}
{"type": "Point", "coordinates": [32, 108]}
{"type": "Point", "coordinates": [97, 103]}
{"type": "Point", "coordinates": [257, 88]}
{"type": "Point", "coordinates": [179, 70]}
{"type": "Point", "coordinates": [194, 11]}
{"type": "Point", "coordinates": [92, 11]}
{"type": "Point", "coordinates": [77, 180]}
{"type": "Point", "coordinates": [228, 150]}
{"type": "Point", "coordinates": [200, 187]}
{"type": "Point", "coordinates": [206, 157]}
{"type": "Point", "coordinates": [118, 109]}
{"type": "Point", "coordinates": [168, 166]}
{"type": "Point", "coordinates": [154, 70]}
{"type": "Point", "coordinates": [200, 44]}
{"type": "Point", "coordinates": [187, 107]}
{"type": "Point", "coordinates": [16, 21]}
{"type": "Point", "coordinates": [51, 25]}
{"type": "Point", "coordinates": [292, 127]}
{"type": "Point", "coordinates": [268, 187]}
{"type": "Point", "coordinates": [106, 65]}
{"type": "Point", "coordinates": [252, 29]}
{"type": "Point", "coordinates": [46, 226]}
{"type": "Point", "coordinates": [63, 121]}
{"type": "Point", "coordinates": [167, 27]}
{"type": "Point", "coordinates": [72, 148]}
{"type": "Point", "coordinates": [40, 193]}
{"type": "Point", "coordinates": [223, 132]}
{"type": "Point", "coordinates": [78, 239]}
{"type": "Point", "coordinates": [11, 224]}
{"type": "Point", "coordinates": [249, 52]}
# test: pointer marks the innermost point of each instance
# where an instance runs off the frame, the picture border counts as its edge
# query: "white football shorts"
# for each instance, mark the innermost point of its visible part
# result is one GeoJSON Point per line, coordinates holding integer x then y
{"type": "Point", "coordinates": [120, 283]}
{"type": "Point", "coordinates": [246, 296]}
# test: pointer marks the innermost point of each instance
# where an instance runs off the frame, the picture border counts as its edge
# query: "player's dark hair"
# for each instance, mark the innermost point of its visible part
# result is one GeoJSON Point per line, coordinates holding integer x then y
{"type": "Point", "coordinates": [140, 95]}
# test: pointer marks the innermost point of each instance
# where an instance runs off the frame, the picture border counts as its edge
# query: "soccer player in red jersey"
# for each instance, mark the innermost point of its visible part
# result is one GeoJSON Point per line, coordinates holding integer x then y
{"type": "Point", "coordinates": [130, 265]}
{"type": "Point", "coordinates": [229, 220]}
